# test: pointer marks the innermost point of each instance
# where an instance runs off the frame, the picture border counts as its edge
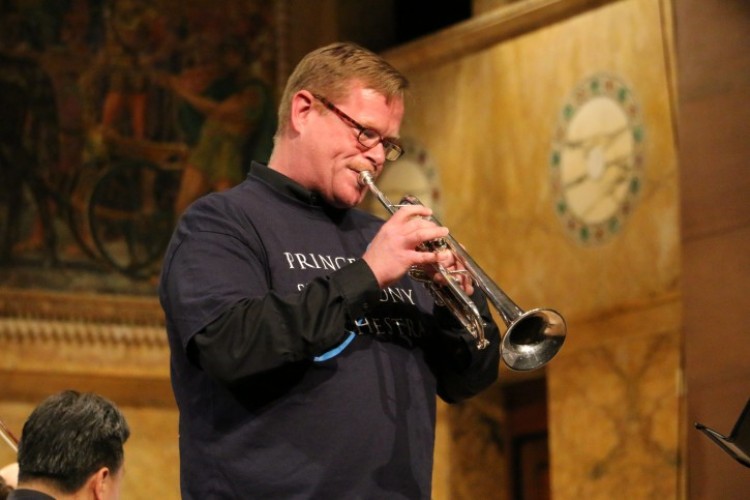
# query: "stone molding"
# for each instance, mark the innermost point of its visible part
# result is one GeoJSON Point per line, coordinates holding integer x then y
{"type": "Point", "coordinates": [80, 307]}
{"type": "Point", "coordinates": [485, 30]}
{"type": "Point", "coordinates": [112, 344]}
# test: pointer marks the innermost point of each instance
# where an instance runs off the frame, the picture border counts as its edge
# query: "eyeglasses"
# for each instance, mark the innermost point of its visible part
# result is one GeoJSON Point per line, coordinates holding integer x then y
{"type": "Point", "coordinates": [367, 137]}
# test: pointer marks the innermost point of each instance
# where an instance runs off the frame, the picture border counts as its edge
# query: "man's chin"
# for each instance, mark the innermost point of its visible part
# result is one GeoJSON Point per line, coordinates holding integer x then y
{"type": "Point", "coordinates": [349, 201]}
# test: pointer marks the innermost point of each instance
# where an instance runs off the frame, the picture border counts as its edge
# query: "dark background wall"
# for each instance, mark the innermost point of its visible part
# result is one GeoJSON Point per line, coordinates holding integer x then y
{"type": "Point", "coordinates": [714, 150]}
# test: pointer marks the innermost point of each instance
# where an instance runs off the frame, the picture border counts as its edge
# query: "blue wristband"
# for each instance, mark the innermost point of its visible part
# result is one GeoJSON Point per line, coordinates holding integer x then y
{"type": "Point", "coordinates": [336, 350]}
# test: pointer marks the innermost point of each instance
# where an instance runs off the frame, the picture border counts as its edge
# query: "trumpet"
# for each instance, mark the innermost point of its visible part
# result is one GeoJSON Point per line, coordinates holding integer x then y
{"type": "Point", "coordinates": [532, 338]}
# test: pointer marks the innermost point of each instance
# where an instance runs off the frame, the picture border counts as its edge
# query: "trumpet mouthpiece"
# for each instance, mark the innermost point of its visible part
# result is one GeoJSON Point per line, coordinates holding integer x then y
{"type": "Point", "coordinates": [365, 178]}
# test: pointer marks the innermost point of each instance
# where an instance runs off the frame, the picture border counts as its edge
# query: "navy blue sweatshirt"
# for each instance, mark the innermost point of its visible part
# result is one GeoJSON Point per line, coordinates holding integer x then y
{"type": "Point", "coordinates": [294, 374]}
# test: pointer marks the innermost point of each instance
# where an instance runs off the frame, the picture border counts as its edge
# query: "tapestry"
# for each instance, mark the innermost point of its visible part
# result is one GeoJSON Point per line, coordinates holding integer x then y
{"type": "Point", "coordinates": [117, 114]}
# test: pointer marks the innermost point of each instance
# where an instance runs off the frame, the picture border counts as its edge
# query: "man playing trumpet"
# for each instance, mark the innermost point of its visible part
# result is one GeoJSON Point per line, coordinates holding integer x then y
{"type": "Point", "coordinates": [305, 361]}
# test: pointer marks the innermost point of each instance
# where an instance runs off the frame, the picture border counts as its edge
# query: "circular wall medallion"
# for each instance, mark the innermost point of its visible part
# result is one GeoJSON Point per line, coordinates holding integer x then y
{"type": "Point", "coordinates": [596, 162]}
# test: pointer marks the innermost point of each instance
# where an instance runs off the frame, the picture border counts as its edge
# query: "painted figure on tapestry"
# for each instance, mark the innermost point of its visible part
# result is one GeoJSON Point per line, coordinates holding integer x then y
{"type": "Point", "coordinates": [117, 115]}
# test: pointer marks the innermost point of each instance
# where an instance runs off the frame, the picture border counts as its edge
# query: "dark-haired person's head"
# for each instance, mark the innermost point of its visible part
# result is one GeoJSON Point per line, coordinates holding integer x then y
{"type": "Point", "coordinates": [72, 444]}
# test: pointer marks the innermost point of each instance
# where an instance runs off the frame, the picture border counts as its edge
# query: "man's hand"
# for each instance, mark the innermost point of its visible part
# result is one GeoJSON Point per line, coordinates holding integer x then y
{"type": "Point", "coordinates": [394, 249]}
{"type": "Point", "coordinates": [455, 270]}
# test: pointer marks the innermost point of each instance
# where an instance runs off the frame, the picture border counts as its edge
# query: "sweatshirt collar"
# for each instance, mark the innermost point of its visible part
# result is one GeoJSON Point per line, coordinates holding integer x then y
{"type": "Point", "coordinates": [285, 185]}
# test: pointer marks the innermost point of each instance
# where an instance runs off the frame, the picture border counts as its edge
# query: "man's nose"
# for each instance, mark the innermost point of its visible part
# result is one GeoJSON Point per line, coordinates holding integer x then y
{"type": "Point", "coordinates": [376, 154]}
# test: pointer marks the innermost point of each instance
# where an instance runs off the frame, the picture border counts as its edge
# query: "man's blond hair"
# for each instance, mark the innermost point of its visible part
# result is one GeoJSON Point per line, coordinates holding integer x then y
{"type": "Point", "coordinates": [329, 70]}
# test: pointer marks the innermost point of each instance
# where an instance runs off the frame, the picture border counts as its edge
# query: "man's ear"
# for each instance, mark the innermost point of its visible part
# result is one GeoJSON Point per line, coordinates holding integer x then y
{"type": "Point", "coordinates": [100, 482]}
{"type": "Point", "coordinates": [301, 106]}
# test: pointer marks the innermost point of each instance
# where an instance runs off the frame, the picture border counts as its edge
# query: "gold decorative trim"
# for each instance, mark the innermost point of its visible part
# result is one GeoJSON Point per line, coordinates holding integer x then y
{"type": "Point", "coordinates": [44, 317]}
{"type": "Point", "coordinates": [80, 308]}
{"type": "Point", "coordinates": [113, 344]}
{"type": "Point", "coordinates": [485, 30]}
{"type": "Point", "coordinates": [20, 330]}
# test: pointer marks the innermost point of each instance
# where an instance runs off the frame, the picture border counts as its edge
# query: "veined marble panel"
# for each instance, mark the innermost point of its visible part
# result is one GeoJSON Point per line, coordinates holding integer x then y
{"type": "Point", "coordinates": [614, 429]}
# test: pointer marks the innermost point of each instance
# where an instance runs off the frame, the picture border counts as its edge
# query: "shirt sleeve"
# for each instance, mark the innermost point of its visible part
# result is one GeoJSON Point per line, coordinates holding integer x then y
{"type": "Point", "coordinates": [462, 369]}
{"type": "Point", "coordinates": [229, 315]}
{"type": "Point", "coordinates": [260, 334]}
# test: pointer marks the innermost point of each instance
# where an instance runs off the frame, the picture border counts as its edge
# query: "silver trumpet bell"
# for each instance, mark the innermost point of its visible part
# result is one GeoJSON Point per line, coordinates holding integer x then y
{"type": "Point", "coordinates": [532, 338]}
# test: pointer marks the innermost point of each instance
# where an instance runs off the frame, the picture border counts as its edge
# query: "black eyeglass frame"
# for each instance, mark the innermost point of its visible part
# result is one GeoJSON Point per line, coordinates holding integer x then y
{"type": "Point", "coordinates": [367, 137]}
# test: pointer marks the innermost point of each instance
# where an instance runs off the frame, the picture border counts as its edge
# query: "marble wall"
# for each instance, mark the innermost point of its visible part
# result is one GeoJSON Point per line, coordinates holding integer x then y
{"type": "Point", "coordinates": [491, 118]}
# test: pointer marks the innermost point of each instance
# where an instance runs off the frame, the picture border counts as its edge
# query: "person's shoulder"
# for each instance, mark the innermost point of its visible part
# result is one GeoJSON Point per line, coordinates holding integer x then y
{"type": "Point", "coordinates": [236, 195]}
{"type": "Point", "coordinates": [25, 494]}
{"type": "Point", "coordinates": [246, 200]}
